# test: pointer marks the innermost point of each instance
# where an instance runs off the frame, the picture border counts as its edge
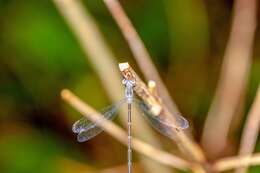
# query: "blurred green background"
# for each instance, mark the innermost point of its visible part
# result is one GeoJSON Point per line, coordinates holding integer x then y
{"type": "Point", "coordinates": [39, 56]}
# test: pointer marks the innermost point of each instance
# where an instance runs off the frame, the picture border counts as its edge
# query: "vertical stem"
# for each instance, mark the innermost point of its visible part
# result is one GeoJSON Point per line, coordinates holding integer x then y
{"type": "Point", "coordinates": [233, 78]}
{"type": "Point", "coordinates": [250, 132]}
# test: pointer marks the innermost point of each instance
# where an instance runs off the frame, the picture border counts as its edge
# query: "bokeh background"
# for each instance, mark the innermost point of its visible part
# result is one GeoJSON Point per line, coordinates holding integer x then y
{"type": "Point", "coordinates": [39, 56]}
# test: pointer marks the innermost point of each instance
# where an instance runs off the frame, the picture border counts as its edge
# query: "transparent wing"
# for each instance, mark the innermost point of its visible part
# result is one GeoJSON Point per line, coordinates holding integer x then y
{"type": "Point", "coordinates": [88, 134]}
{"type": "Point", "coordinates": [81, 125]}
{"type": "Point", "coordinates": [87, 129]}
{"type": "Point", "coordinates": [161, 123]}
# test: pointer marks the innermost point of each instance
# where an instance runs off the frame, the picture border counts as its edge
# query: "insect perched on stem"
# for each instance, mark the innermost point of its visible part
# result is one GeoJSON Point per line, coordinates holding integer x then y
{"type": "Point", "coordinates": [151, 110]}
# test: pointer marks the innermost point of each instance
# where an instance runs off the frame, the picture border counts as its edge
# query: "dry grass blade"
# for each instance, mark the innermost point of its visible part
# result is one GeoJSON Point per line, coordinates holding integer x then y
{"type": "Point", "coordinates": [233, 79]}
{"type": "Point", "coordinates": [93, 44]}
{"type": "Point", "coordinates": [119, 134]}
{"type": "Point", "coordinates": [102, 59]}
{"type": "Point", "coordinates": [139, 51]}
{"type": "Point", "coordinates": [236, 161]}
{"type": "Point", "coordinates": [251, 130]}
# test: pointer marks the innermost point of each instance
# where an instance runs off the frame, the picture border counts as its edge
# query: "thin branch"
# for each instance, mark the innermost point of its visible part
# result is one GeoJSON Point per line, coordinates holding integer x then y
{"type": "Point", "coordinates": [84, 27]}
{"type": "Point", "coordinates": [102, 59]}
{"type": "Point", "coordinates": [139, 51]}
{"type": "Point", "coordinates": [250, 133]}
{"type": "Point", "coordinates": [158, 109]}
{"type": "Point", "coordinates": [119, 134]}
{"type": "Point", "coordinates": [236, 161]}
{"type": "Point", "coordinates": [233, 78]}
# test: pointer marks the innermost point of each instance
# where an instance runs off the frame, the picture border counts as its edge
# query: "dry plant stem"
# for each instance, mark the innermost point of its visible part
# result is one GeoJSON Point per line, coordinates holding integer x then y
{"type": "Point", "coordinates": [119, 134]}
{"type": "Point", "coordinates": [250, 132]}
{"type": "Point", "coordinates": [236, 161]}
{"type": "Point", "coordinates": [194, 151]}
{"type": "Point", "coordinates": [93, 45]}
{"type": "Point", "coordinates": [233, 79]}
{"type": "Point", "coordinates": [102, 59]}
{"type": "Point", "coordinates": [139, 51]}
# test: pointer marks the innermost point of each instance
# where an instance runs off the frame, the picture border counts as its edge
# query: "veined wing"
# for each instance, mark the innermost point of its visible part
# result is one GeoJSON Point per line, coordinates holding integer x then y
{"type": "Point", "coordinates": [163, 124]}
{"type": "Point", "coordinates": [88, 134]}
{"type": "Point", "coordinates": [87, 129]}
{"type": "Point", "coordinates": [81, 125]}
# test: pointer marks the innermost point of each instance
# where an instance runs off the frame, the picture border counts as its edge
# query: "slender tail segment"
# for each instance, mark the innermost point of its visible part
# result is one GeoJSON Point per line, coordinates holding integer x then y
{"type": "Point", "coordinates": [129, 151]}
{"type": "Point", "coordinates": [129, 83]}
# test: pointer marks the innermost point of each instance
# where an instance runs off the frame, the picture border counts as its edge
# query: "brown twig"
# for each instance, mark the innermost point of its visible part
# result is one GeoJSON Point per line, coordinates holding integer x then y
{"type": "Point", "coordinates": [102, 60]}
{"type": "Point", "coordinates": [236, 161]}
{"type": "Point", "coordinates": [119, 134]}
{"type": "Point", "coordinates": [159, 109]}
{"type": "Point", "coordinates": [83, 26]}
{"type": "Point", "coordinates": [139, 51]}
{"type": "Point", "coordinates": [251, 130]}
{"type": "Point", "coordinates": [233, 79]}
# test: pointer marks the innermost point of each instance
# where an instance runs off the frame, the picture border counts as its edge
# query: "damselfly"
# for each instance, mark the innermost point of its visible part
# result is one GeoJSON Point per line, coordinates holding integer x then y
{"type": "Point", "coordinates": [164, 124]}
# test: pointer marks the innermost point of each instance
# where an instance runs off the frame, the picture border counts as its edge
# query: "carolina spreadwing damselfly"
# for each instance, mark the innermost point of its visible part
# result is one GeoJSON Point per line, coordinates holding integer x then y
{"type": "Point", "coordinates": [87, 129]}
